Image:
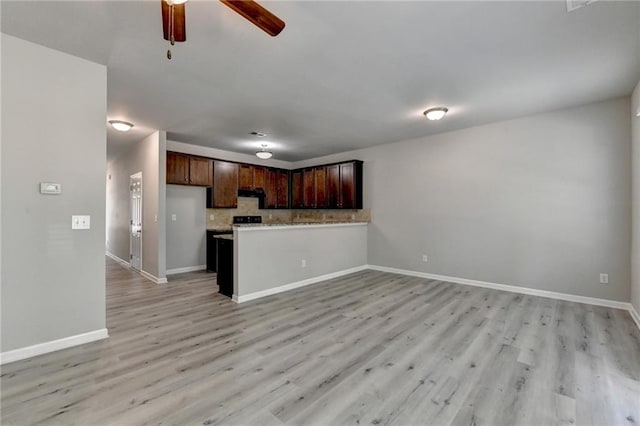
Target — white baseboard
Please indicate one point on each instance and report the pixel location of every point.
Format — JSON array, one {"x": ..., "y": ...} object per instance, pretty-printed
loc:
[
  {"x": 297, "y": 284},
  {"x": 186, "y": 269},
  {"x": 153, "y": 278},
  {"x": 514, "y": 289},
  {"x": 634, "y": 314},
  {"x": 145, "y": 274},
  {"x": 52, "y": 346},
  {"x": 117, "y": 259}
]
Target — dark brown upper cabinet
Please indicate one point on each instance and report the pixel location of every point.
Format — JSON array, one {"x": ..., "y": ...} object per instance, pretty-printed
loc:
[
  {"x": 252, "y": 177},
  {"x": 282, "y": 177},
  {"x": 309, "y": 189},
  {"x": 271, "y": 189},
  {"x": 200, "y": 171},
  {"x": 320, "y": 186},
  {"x": 342, "y": 185},
  {"x": 276, "y": 189},
  {"x": 330, "y": 186},
  {"x": 177, "y": 168},
  {"x": 297, "y": 190},
  {"x": 185, "y": 169},
  {"x": 333, "y": 186},
  {"x": 259, "y": 177},
  {"x": 348, "y": 187},
  {"x": 224, "y": 193},
  {"x": 245, "y": 180}
]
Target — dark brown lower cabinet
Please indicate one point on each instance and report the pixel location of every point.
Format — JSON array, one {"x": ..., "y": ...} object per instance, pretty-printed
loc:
[{"x": 225, "y": 267}]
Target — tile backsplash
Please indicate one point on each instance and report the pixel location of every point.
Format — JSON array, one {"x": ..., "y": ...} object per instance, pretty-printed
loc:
[{"x": 247, "y": 206}]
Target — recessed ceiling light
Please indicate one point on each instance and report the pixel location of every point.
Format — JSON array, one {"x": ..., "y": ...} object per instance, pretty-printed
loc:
[
  {"x": 258, "y": 134},
  {"x": 264, "y": 153},
  {"x": 436, "y": 113},
  {"x": 121, "y": 126}
]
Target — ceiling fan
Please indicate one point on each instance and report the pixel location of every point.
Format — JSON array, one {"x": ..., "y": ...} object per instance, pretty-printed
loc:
[{"x": 174, "y": 23}]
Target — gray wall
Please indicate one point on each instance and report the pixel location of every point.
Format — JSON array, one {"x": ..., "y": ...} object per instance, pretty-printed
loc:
[
  {"x": 541, "y": 201},
  {"x": 275, "y": 254},
  {"x": 53, "y": 130},
  {"x": 186, "y": 236},
  {"x": 146, "y": 156},
  {"x": 635, "y": 251}
]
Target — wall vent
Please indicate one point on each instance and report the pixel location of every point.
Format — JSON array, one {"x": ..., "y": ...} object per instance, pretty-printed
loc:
[{"x": 577, "y": 4}]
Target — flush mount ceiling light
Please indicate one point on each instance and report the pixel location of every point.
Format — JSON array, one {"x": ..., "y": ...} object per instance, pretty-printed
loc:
[
  {"x": 121, "y": 126},
  {"x": 264, "y": 153},
  {"x": 436, "y": 113},
  {"x": 258, "y": 134}
]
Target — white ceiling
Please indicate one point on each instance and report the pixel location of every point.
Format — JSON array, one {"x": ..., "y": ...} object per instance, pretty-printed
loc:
[{"x": 342, "y": 75}]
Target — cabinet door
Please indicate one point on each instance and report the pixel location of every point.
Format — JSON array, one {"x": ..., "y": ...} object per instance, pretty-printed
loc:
[
  {"x": 177, "y": 168},
  {"x": 297, "y": 190},
  {"x": 225, "y": 184},
  {"x": 333, "y": 186},
  {"x": 200, "y": 171},
  {"x": 259, "y": 177},
  {"x": 246, "y": 176},
  {"x": 283, "y": 189},
  {"x": 309, "y": 195},
  {"x": 320, "y": 182},
  {"x": 347, "y": 186},
  {"x": 271, "y": 190}
]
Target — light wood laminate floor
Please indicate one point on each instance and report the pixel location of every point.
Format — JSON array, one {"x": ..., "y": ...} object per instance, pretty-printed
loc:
[{"x": 370, "y": 348}]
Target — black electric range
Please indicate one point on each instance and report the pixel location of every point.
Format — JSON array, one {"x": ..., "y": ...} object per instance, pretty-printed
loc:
[{"x": 246, "y": 220}]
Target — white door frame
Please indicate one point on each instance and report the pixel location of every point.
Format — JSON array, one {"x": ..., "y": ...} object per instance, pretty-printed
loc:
[{"x": 137, "y": 175}]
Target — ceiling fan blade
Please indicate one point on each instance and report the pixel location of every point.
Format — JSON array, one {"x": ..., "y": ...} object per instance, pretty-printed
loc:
[
  {"x": 179, "y": 22},
  {"x": 258, "y": 15}
]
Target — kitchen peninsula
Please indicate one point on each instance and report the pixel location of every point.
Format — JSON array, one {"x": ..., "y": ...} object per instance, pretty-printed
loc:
[{"x": 269, "y": 259}]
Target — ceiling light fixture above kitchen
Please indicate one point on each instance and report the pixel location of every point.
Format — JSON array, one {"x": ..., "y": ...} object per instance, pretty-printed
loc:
[
  {"x": 121, "y": 126},
  {"x": 436, "y": 113},
  {"x": 264, "y": 153}
]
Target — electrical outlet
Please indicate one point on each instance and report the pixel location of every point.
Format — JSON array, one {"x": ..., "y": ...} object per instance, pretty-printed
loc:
[
  {"x": 303, "y": 263},
  {"x": 212, "y": 217},
  {"x": 173, "y": 217},
  {"x": 425, "y": 258},
  {"x": 270, "y": 216},
  {"x": 604, "y": 278},
  {"x": 353, "y": 217}
]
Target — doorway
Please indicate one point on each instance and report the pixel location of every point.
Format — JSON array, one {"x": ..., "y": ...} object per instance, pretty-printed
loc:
[{"x": 135, "y": 231}]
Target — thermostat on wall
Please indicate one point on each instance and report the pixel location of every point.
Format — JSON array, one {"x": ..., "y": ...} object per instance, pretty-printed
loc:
[{"x": 50, "y": 188}]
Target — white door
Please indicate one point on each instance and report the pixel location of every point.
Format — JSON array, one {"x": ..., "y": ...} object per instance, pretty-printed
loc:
[{"x": 135, "y": 246}]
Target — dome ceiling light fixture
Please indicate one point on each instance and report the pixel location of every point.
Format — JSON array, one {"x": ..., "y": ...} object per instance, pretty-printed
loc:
[
  {"x": 264, "y": 153},
  {"x": 437, "y": 113},
  {"x": 121, "y": 126}
]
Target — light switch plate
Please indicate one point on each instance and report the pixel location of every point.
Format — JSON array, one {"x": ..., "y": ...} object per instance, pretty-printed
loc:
[
  {"x": 80, "y": 222},
  {"x": 50, "y": 188}
]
